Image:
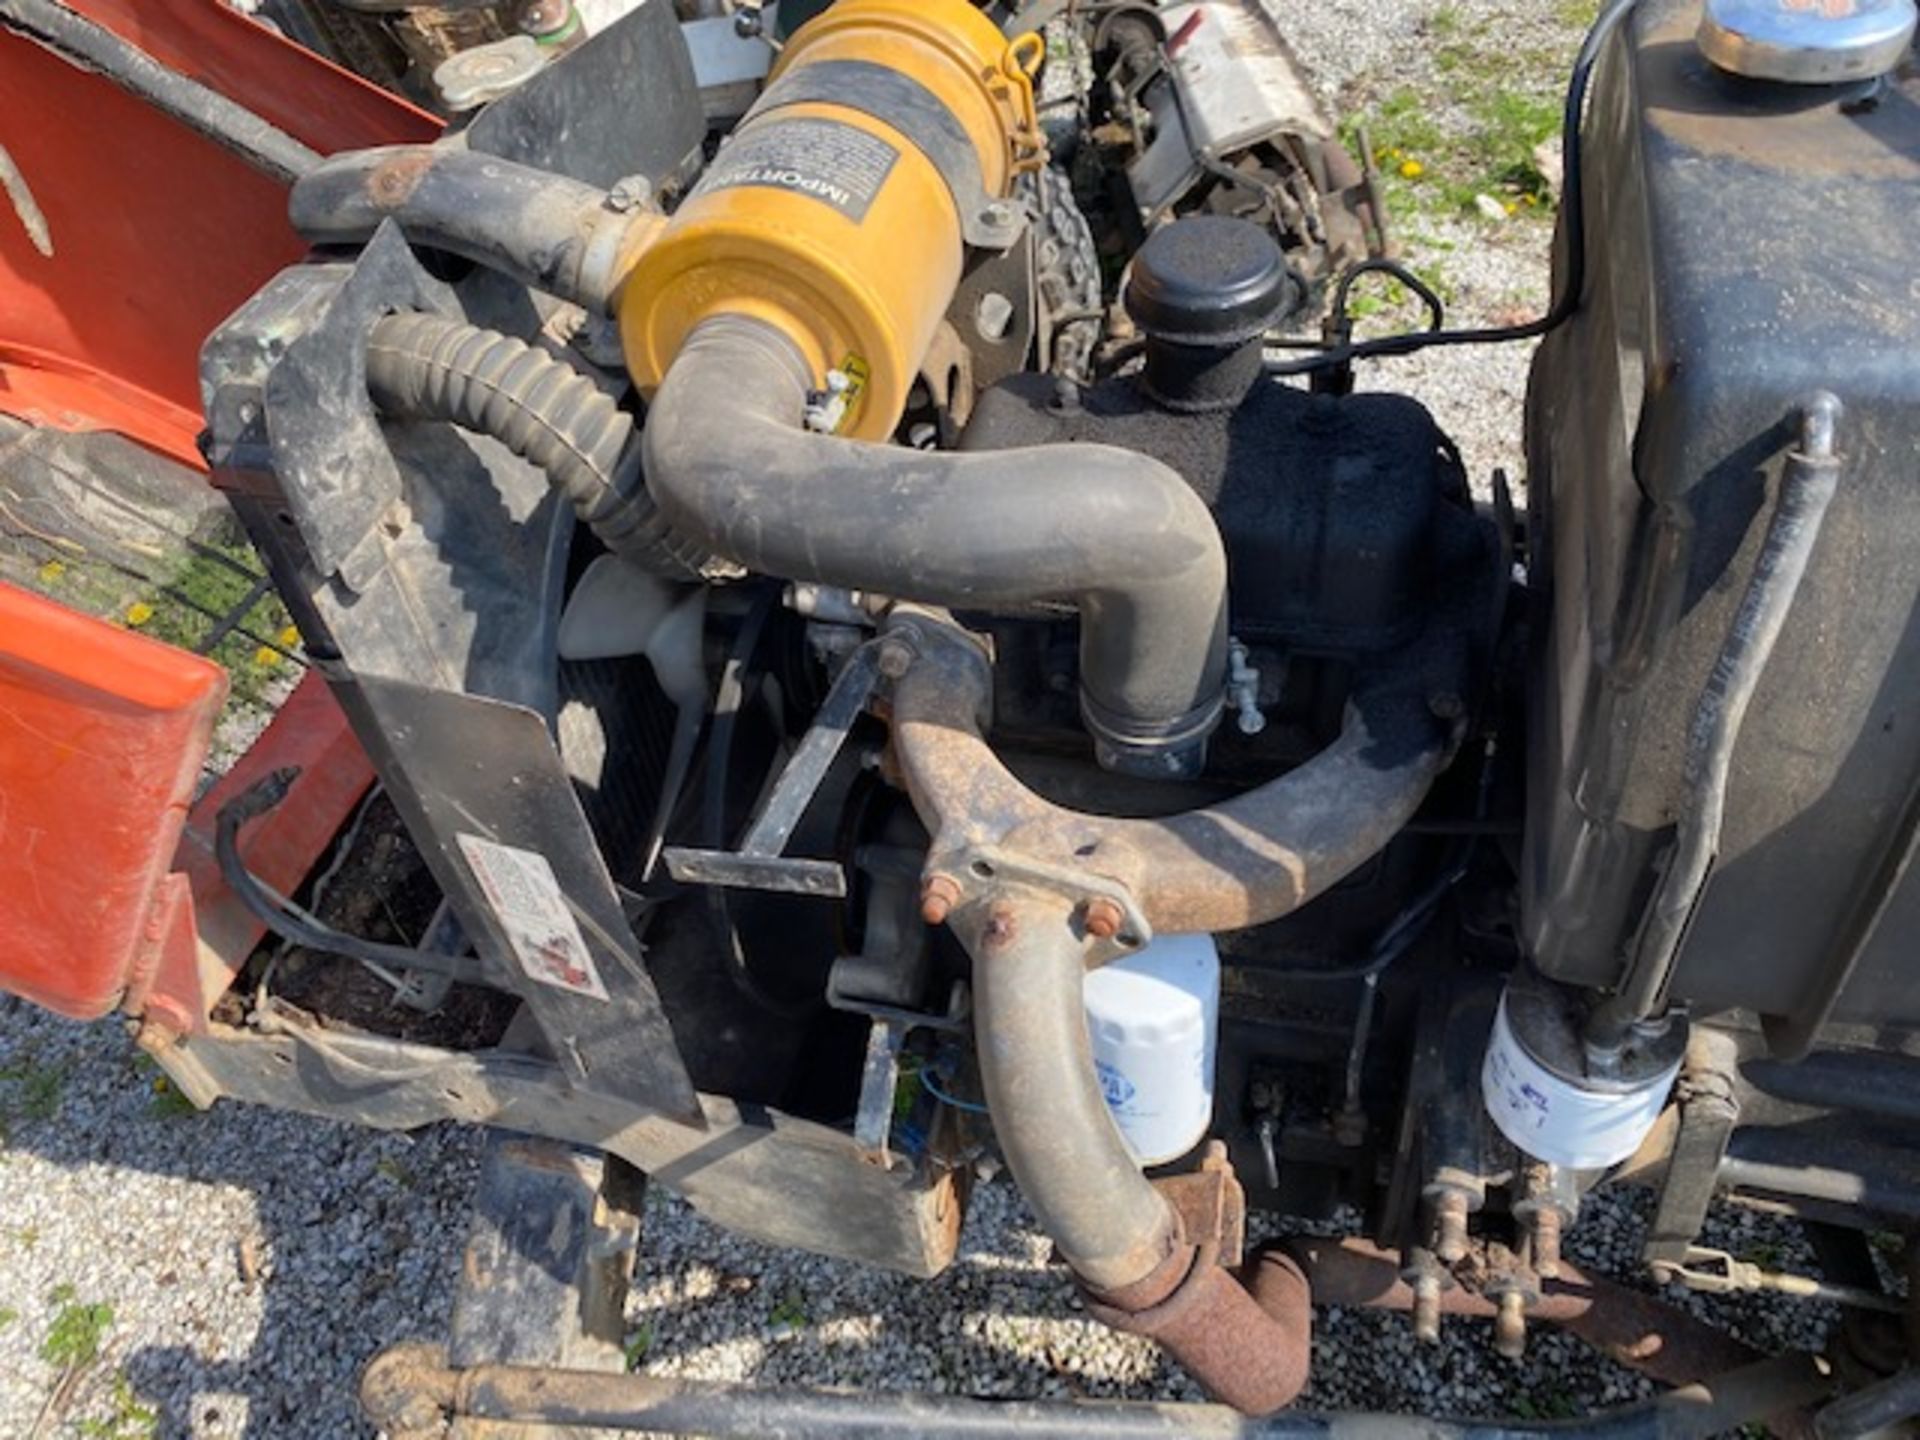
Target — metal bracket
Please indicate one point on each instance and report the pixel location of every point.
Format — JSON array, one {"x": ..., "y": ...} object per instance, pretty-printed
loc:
[
  {"x": 980, "y": 869},
  {"x": 759, "y": 864},
  {"x": 1211, "y": 1205},
  {"x": 879, "y": 1077}
]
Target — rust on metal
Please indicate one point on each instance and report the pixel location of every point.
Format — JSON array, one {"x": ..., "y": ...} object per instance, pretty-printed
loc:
[
  {"x": 1250, "y": 1347},
  {"x": 1002, "y": 927},
  {"x": 1639, "y": 1331},
  {"x": 1246, "y": 860},
  {"x": 939, "y": 893},
  {"x": 392, "y": 183}
]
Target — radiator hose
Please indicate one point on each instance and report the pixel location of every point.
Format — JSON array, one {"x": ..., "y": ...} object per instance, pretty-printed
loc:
[
  {"x": 425, "y": 367},
  {"x": 1115, "y": 534}
]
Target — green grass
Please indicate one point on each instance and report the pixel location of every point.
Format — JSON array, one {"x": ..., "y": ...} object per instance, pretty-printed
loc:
[
  {"x": 77, "y": 1332},
  {"x": 790, "y": 1313},
  {"x": 164, "y": 1100},
  {"x": 207, "y": 581},
  {"x": 638, "y": 1343},
  {"x": 1510, "y": 101},
  {"x": 126, "y": 1417},
  {"x": 30, "y": 1091}
]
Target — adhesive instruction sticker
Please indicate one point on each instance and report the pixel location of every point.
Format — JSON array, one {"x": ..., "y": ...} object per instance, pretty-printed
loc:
[
  {"x": 533, "y": 910},
  {"x": 828, "y": 160}
]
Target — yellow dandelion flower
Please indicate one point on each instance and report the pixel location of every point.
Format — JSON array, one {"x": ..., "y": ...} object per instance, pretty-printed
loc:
[
  {"x": 1412, "y": 169},
  {"x": 289, "y": 636},
  {"x": 52, "y": 571},
  {"x": 266, "y": 657},
  {"x": 139, "y": 613}
]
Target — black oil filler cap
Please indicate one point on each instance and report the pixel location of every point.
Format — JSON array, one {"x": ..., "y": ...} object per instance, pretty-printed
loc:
[{"x": 1211, "y": 280}]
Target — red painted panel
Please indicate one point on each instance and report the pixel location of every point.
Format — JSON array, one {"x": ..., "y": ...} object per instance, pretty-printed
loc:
[
  {"x": 151, "y": 234},
  {"x": 310, "y": 733},
  {"x": 102, "y": 735},
  {"x": 312, "y": 99}
]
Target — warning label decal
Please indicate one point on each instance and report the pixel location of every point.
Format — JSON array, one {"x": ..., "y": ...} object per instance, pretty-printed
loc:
[
  {"x": 833, "y": 162},
  {"x": 532, "y": 909}
]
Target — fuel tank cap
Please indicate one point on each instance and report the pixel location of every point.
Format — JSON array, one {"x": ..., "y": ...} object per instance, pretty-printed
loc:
[{"x": 1807, "y": 42}]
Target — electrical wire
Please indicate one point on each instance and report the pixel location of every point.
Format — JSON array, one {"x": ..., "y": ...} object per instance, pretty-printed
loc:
[
  {"x": 260, "y": 797},
  {"x": 926, "y": 1076},
  {"x": 1573, "y": 214}
]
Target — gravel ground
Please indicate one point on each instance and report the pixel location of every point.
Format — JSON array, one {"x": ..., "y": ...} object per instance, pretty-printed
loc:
[{"x": 253, "y": 1261}]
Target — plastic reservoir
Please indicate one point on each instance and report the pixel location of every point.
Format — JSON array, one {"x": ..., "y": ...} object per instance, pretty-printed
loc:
[{"x": 1154, "y": 1019}]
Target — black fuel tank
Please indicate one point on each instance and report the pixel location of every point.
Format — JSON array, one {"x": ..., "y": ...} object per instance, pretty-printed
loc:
[{"x": 1751, "y": 243}]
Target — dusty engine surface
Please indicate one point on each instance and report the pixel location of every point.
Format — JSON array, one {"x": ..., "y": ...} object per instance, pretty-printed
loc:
[{"x": 886, "y": 663}]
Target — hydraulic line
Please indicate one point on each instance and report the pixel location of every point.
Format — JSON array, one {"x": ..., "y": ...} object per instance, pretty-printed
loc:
[{"x": 1807, "y": 487}]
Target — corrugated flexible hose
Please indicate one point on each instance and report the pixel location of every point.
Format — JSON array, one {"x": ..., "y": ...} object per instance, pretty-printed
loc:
[{"x": 426, "y": 367}]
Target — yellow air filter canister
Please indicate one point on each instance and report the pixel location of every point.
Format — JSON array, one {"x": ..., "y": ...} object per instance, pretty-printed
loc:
[{"x": 839, "y": 209}]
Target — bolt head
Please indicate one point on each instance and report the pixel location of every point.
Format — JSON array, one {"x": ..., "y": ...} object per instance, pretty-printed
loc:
[
  {"x": 938, "y": 895},
  {"x": 896, "y": 658},
  {"x": 1103, "y": 918}
]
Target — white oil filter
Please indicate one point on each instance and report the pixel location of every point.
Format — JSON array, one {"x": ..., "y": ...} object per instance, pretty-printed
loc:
[{"x": 1153, "y": 1018}]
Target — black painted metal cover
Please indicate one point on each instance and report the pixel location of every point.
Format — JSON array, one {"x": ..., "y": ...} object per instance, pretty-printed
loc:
[{"x": 1752, "y": 243}]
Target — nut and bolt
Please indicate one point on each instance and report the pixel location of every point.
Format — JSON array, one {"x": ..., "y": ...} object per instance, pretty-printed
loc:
[
  {"x": 1104, "y": 918},
  {"x": 153, "y": 1034},
  {"x": 1450, "y": 1239},
  {"x": 896, "y": 658},
  {"x": 1426, "y": 1308},
  {"x": 938, "y": 895},
  {"x": 1510, "y": 1325},
  {"x": 634, "y": 192}
]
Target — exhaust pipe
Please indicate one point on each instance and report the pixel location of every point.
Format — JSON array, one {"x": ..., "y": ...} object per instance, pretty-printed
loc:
[
  {"x": 1121, "y": 1236},
  {"x": 1039, "y": 894}
]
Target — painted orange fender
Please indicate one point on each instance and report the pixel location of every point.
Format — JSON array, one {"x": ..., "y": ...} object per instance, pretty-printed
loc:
[{"x": 125, "y": 237}]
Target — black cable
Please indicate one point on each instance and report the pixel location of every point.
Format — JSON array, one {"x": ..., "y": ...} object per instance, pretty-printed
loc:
[
  {"x": 1573, "y": 212},
  {"x": 1405, "y": 928},
  {"x": 260, "y": 797},
  {"x": 1436, "y": 309}
]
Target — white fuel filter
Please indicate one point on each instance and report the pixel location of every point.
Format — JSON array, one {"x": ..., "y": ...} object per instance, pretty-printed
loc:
[{"x": 1549, "y": 1099}]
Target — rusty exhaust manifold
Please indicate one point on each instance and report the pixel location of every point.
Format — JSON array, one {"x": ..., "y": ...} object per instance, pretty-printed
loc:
[{"x": 1038, "y": 894}]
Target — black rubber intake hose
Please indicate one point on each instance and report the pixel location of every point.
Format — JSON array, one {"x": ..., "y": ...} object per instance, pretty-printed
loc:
[
  {"x": 1117, "y": 535},
  {"x": 424, "y": 367},
  {"x": 546, "y": 231}
]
